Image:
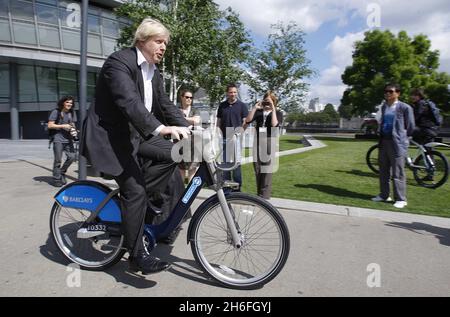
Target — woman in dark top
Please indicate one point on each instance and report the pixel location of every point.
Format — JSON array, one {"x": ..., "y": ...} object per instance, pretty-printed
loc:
[{"x": 268, "y": 120}]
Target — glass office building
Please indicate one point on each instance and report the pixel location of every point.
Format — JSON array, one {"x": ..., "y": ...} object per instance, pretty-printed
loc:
[{"x": 40, "y": 58}]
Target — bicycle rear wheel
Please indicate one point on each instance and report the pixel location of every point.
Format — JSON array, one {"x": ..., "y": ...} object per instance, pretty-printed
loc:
[
  {"x": 431, "y": 177},
  {"x": 95, "y": 253},
  {"x": 265, "y": 239},
  {"x": 372, "y": 158}
]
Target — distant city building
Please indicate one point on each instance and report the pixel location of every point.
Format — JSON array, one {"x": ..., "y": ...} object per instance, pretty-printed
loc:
[
  {"x": 40, "y": 58},
  {"x": 314, "y": 105}
]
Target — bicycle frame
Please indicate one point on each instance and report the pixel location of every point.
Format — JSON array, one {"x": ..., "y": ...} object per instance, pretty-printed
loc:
[
  {"x": 423, "y": 151},
  {"x": 105, "y": 204}
]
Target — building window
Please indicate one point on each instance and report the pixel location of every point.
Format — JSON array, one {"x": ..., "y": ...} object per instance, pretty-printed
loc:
[
  {"x": 27, "y": 84},
  {"x": 5, "y": 34},
  {"x": 91, "y": 80},
  {"x": 110, "y": 28},
  {"x": 71, "y": 40},
  {"x": 49, "y": 36},
  {"x": 93, "y": 24},
  {"x": 47, "y": 14},
  {"x": 108, "y": 46},
  {"x": 47, "y": 84},
  {"x": 93, "y": 44},
  {"x": 24, "y": 33},
  {"x": 67, "y": 82},
  {"x": 4, "y": 83},
  {"x": 22, "y": 10},
  {"x": 52, "y": 2},
  {"x": 4, "y": 8}
]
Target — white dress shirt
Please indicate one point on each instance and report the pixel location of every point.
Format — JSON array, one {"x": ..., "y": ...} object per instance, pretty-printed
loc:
[{"x": 148, "y": 71}]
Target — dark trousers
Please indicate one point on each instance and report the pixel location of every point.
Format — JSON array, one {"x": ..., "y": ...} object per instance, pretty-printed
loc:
[
  {"x": 263, "y": 180},
  {"x": 424, "y": 135},
  {"x": 134, "y": 205},
  {"x": 58, "y": 149},
  {"x": 163, "y": 183}
]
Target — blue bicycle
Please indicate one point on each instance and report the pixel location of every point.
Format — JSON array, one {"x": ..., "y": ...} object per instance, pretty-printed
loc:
[{"x": 240, "y": 240}]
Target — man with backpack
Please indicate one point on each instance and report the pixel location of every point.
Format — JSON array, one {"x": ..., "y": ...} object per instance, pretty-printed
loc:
[
  {"x": 61, "y": 127},
  {"x": 426, "y": 116}
]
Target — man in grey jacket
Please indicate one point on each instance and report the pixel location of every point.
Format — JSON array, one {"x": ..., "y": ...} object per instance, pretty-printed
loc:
[{"x": 396, "y": 124}]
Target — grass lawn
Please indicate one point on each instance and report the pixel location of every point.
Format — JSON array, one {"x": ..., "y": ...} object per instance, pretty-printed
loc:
[{"x": 338, "y": 174}]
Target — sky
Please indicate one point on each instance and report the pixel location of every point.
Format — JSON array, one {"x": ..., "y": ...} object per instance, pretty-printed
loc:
[{"x": 333, "y": 26}]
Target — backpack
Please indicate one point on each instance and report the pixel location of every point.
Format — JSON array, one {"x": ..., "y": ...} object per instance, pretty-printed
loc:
[
  {"x": 51, "y": 132},
  {"x": 435, "y": 112}
]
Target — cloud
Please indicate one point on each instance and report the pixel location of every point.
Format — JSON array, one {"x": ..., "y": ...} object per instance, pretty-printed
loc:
[
  {"x": 414, "y": 16},
  {"x": 258, "y": 15}
]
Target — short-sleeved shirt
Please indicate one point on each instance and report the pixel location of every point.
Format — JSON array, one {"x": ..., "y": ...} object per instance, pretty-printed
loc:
[
  {"x": 231, "y": 115},
  {"x": 61, "y": 135}
]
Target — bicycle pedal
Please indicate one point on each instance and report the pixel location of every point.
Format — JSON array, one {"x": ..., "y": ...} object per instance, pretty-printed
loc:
[{"x": 231, "y": 184}]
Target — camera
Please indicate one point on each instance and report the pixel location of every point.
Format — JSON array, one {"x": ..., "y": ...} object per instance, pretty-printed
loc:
[
  {"x": 74, "y": 133},
  {"x": 266, "y": 103}
]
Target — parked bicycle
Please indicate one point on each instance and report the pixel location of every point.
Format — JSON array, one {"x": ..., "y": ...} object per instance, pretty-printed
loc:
[
  {"x": 430, "y": 167},
  {"x": 239, "y": 240}
]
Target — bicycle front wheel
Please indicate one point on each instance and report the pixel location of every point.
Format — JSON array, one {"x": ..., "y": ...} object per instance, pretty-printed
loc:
[
  {"x": 95, "y": 253},
  {"x": 372, "y": 158},
  {"x": 265, "y": 239},
  {"x": 430, "y": 176}
]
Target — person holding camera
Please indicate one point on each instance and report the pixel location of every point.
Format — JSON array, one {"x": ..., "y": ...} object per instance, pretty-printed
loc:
[
  {"x": 62, "y": 120},
  {"x": 268, "y": 120}
]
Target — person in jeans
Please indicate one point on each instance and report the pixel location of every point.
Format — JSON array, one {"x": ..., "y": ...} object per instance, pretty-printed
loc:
[
  {"x": 396, "y": 124},
  {"x": 62, "y": 120}
]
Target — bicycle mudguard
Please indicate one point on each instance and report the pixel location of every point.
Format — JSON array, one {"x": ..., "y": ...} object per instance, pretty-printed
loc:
[{"x": 89, "y": 195}]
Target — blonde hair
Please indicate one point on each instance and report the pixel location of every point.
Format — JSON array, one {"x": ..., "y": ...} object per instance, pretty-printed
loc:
[
  {"x": 270, "y": 94},
  {"x": 149, "y": 27}
]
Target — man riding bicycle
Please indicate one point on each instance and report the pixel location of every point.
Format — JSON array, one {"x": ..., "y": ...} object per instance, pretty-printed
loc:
[
  {"x": 426, "y": 117},
  {"x": 132, "y": 113}
]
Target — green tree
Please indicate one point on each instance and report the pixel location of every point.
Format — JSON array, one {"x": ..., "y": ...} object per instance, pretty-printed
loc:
[
  {"x": 205, "y": 43},
  {"x": 331, "y": 112},
  {"x": 383, "y": 57},
  {"x": 282, "y": 66}
]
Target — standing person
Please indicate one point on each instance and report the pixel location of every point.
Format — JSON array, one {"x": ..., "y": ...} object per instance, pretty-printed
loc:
[
  {"x": 396, "y": 125},
  {"x": 61, "y": 121},
  {"x": 427, "y": 123},
  {"x": 188, "y": 169},
  {"x": 231, "y": 115},
  {"x": 131, "y": 106},
  {"x": 268, "y": 120}
]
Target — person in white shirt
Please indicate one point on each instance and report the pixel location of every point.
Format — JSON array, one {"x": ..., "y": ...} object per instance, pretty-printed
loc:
[{"x": 132, "y": 113}]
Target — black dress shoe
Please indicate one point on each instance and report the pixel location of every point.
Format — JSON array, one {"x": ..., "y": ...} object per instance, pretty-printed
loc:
[{"x": 147, "y": 264}]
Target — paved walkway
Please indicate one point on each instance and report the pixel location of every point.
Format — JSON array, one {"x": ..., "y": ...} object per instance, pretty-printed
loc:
[{"x": 334, "y": 249}]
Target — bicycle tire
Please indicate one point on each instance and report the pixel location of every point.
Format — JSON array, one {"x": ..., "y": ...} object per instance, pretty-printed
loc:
[
  {"x": 433, "y": 179},
  {"x": 74, "y": 249},
  {"x": 372, "y": 158},
  {"x": 212, "y": 247}
]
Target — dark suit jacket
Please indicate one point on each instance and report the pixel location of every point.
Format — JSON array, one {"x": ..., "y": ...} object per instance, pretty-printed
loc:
[{"x": 117, "y": 119}]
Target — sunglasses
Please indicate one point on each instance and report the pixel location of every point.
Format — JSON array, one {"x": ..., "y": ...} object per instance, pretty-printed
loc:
[
  {"x": 188, "y": 97},
  {"x": 390, "y": 91}
]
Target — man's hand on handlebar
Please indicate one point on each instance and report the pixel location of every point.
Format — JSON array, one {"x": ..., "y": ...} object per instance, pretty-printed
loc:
[{"x": 176, "y": 133}]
